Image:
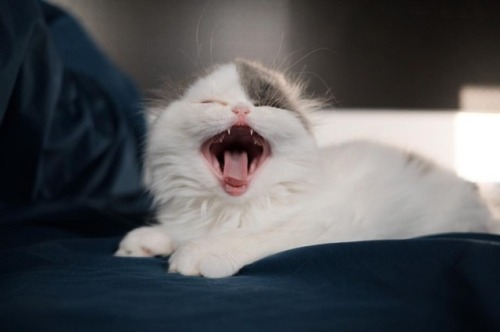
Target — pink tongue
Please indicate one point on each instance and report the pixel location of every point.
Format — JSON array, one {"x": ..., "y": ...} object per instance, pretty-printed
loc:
[{"x": 235, "y": 168}]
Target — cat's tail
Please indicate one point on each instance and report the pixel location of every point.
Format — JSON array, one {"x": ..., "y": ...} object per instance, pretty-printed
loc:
[{"x": 491, "y": 195}]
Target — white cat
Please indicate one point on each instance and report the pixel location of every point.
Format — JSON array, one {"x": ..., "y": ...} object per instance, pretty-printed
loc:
[{"x": 237, "y": 176}]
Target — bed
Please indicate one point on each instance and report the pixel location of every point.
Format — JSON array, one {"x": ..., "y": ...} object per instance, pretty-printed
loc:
[{"x": 70, "y": 140}]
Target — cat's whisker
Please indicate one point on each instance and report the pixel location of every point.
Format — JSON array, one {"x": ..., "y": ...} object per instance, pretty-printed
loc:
[
  {"x": 286, "y": 58},
  {"x": 280, "y": 45},
  {"x": 193, "y": 62},
  {"x": 328, "y": 90},
  {"x": 212, "y": 44},
  {"x": 198, "y": 24},
  {"x": 308, "y": 54}
]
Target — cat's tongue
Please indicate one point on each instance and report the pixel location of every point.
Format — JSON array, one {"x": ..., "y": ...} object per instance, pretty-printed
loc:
[{"x": 235, "y": 168}]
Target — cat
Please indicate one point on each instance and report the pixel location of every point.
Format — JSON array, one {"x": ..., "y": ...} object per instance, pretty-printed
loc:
[{"x": 236, "y": 176}]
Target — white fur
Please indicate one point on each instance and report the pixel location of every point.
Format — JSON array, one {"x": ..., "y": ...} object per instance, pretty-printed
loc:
[{"x": 301, "y": 196}]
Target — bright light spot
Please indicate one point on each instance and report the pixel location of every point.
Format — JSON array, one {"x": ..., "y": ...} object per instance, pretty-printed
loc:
[{"x": 477, "y": 146}]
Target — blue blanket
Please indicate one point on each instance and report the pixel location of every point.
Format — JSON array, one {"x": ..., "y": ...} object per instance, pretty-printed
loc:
[
  {"x": 58, "y": 278},
  {"x": 70, "y": 188}
]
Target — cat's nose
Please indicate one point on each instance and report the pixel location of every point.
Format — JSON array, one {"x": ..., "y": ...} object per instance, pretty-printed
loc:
[{"x": 240, "y": 109}]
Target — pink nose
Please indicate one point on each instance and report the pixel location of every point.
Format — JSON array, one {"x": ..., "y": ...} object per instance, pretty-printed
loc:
[{"x": 241, "y": 112}]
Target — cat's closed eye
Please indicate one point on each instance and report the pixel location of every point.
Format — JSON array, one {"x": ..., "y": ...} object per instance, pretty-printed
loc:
[{"x": 213, "y": 101}]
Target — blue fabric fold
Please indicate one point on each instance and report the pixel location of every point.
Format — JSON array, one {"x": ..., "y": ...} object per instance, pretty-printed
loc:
[{"x": 70, "y": 125}]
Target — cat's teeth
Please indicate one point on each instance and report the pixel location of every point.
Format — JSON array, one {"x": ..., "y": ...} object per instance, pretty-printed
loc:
[
  {"x": 257, "y": 141},
  {"x": 251, "y": 131},
  {"x": 229, "y": 131}
]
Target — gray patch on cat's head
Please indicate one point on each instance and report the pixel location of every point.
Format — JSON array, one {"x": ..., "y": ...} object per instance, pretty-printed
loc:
[
  {"x": 266, "y": 87},
  {"x": 262, "y": 85}
]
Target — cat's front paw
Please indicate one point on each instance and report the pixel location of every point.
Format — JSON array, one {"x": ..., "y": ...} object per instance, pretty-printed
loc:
[
  {"x": 203, "y": 258},
  {"x": 145, "y": 242}
]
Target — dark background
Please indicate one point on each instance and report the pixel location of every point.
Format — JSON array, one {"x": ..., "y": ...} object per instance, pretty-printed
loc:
[{"x": 406, "y": 54}]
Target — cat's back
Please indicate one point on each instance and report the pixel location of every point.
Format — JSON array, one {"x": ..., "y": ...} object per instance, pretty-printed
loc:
[
  {"x": 376, "y": 161},
  {"x": 394, "y": 188},
  {"x": 373, "y": 160}
]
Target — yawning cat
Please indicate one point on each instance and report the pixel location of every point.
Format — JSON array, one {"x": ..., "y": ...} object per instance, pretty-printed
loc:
[{"x": 237, "y": 176}]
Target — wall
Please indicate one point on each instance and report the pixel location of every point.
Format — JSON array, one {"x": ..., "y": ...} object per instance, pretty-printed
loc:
[
  {"x": 380, "y": 60},
  {"x": 411, "y": 54}
]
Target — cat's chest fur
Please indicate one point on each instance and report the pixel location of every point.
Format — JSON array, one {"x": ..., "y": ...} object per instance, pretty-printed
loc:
[{"x": 236, "y": 175}]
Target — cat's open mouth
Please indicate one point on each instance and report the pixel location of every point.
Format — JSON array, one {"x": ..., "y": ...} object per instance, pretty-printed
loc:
[{"x": 234, "y": 156}]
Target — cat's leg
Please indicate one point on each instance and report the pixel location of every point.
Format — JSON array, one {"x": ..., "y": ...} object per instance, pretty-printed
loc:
[
  {"x": 224, "y": 255},
  {"x": 145, "y": 241}
]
